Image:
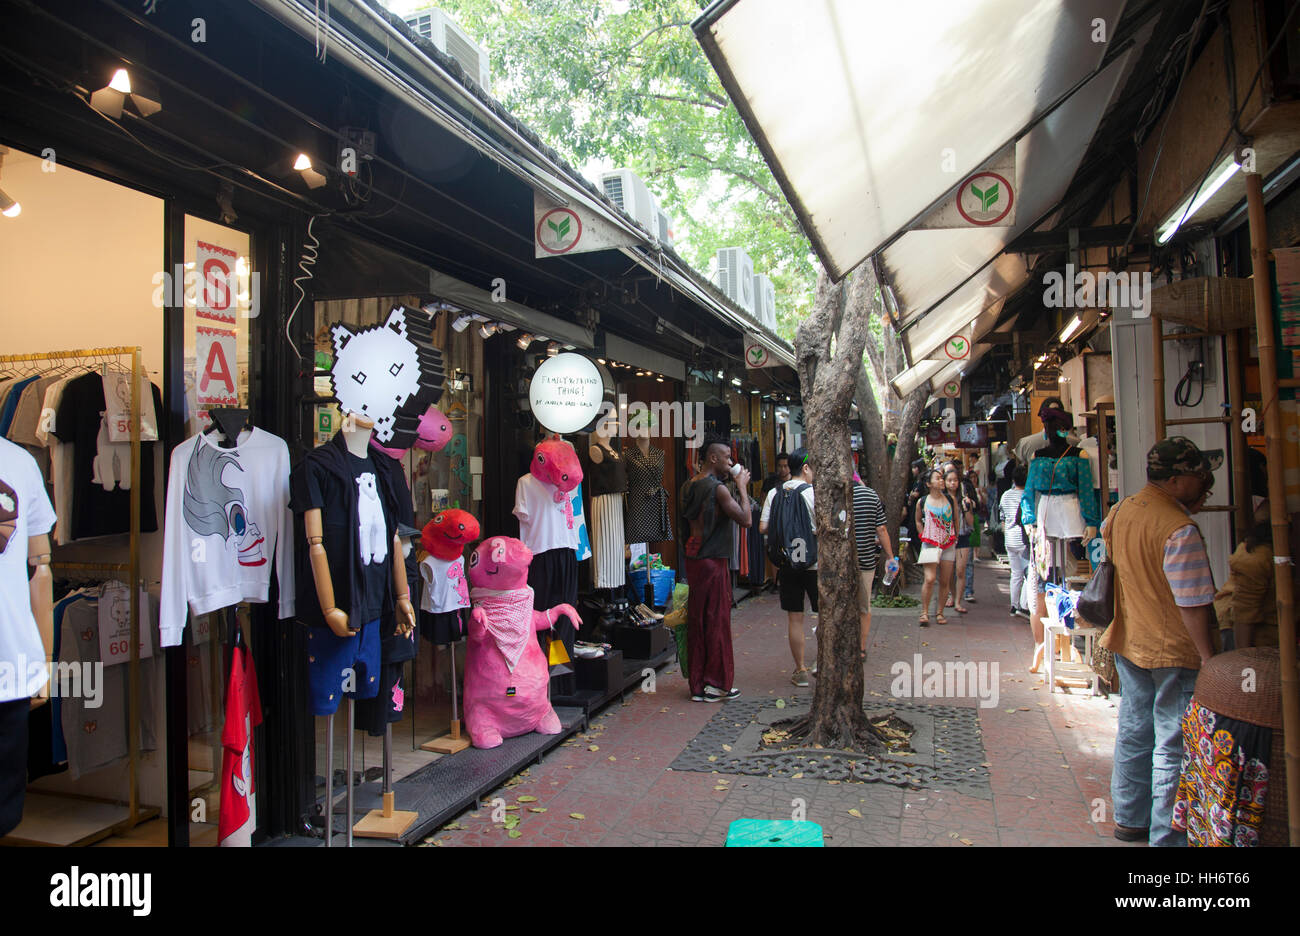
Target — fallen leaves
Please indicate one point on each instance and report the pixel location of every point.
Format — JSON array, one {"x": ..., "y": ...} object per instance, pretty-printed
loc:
[
  {"x": 855, "y": 813},
  {"x": 527, "y": 799},
  {"x": 577, "y": 815}
]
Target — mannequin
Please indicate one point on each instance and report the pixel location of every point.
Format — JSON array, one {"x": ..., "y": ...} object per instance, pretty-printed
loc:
[
  {"x": 608, "y": 488},
  {"x": 27, "y": 645},
  {"x": 444, "y": 596},
  {"x": 647, "y": 501},
  {"x": 547, "y": 528},
  {"x": 1058, "y": 506}
]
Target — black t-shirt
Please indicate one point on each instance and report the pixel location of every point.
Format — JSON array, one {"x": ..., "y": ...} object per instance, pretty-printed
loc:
[
  {"x": 97, "y": 510},
  {"x": 377, "y": 575}
]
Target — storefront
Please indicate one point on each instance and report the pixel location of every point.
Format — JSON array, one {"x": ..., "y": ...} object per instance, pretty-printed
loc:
[{"x": 435, "y": 220}]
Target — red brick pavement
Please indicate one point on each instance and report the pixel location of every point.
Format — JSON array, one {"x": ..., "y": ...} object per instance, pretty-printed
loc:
[{"x": 1049, "y": 755}]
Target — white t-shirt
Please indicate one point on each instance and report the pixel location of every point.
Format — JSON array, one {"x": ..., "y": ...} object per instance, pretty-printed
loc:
[
  {"x": 790, "y": 485},
  {"x": 227, "y": 517},
  {"x": 544, "y": 524},
  {"x": 445, "y": 586},
  {"x": 24, "y": 503}
]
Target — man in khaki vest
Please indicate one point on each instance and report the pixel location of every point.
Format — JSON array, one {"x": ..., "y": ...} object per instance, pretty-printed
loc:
[{"x": 1161, "y": 634}]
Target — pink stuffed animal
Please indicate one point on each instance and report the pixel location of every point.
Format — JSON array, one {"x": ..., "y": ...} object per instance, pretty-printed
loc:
[
  {"x": 432, "y": 434},
  {"x": 506, "y": 673},
  {"x": 556, "y": 463}
]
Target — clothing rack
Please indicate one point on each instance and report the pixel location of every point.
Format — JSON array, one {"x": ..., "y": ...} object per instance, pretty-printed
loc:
[{"x": 131, "y": 568}]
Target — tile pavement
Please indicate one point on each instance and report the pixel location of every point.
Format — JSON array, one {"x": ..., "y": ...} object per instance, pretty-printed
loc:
[{"x": 1048, "y": 754}]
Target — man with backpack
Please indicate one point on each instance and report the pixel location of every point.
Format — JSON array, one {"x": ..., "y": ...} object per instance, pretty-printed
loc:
[{"x": 787, "y": 519}]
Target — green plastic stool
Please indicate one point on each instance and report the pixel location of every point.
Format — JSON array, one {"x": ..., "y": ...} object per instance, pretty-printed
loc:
[{"x": 774, "y": 833}]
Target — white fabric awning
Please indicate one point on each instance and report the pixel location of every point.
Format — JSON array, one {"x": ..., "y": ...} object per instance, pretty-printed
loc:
[{"x": 869, "y": 112}]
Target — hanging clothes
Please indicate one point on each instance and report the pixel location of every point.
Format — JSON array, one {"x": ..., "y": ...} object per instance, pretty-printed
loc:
[
  {"x": 608, "y": 479},
  {"x": 647, "y": 501}
]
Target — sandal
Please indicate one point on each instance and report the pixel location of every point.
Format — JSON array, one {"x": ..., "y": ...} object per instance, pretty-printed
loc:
[
  {"x": 948, "y": 603},
  {"x": 961, "y": 610},
  {"x": 941, "y": 619},
  {"x": 862, "y": 656},
  {"x": 924, "y": 619}
]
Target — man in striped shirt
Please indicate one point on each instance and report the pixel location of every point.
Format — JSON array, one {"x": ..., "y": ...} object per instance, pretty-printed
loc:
[
  {"x": 1161, "y": 634},
  {"x": 869, "y": 531}
]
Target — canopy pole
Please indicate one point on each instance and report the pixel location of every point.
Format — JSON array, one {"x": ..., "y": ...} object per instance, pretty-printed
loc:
[{"x": 1276, "y": 496}]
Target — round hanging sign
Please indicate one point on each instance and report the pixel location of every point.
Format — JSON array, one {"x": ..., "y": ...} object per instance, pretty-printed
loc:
[
  {"x": 566, "y": 392},
  {"x": 952, "y": 389},
  {"x": 957, "y": 348},
  {"x": 985, "y": 198}
]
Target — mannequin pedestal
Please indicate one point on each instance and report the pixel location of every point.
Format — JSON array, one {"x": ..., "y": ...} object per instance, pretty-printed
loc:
[
  {"x": 388, "y": 822},
  {"x": 452, "y": 742}
]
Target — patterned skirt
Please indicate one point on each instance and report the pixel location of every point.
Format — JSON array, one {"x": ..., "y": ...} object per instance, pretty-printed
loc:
[
  {"x": 1224, "y": 780},
  {"x": 607, "y": 565}
]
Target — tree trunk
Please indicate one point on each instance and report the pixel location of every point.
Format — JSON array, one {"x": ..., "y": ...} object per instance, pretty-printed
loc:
[{"x": 837, "y": 719}]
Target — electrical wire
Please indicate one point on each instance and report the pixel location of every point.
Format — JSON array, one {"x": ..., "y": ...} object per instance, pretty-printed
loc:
[
  {"x": 310, "y": 251},
  {"x": 1195, "y": 376}
]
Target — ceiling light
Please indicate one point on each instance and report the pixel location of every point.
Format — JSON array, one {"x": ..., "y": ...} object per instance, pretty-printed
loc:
[
  {"x": 462, "y": 323},
  {"x": 313, "y": 178},
  {"x": 719, "y": 375},
  {"x": 660, "y": 379},
  {"x": 487, "y": 330},
  {"x": 552, "y": 349},
  {"x": 1188, "y": 207},
  {"x": 1075, "y": 324},
  {"x": 524, "y": 341},
  {"x": 736, "y": 381},
  {"x": 140, "y": 91},
  {"x": 302, "y": 162},
  {"x": 8, "y": 207},
  {"x": 600, "y": 360},
  {"x": 121, "y": 81}
]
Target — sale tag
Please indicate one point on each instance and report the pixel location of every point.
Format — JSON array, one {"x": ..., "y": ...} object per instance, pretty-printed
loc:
[
  {"x": 117, "y": 408},
  {"x": 115, "y": 625},
  {"x": 200, "y": 629}
]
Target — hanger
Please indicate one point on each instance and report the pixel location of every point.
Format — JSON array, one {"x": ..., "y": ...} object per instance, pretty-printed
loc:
[{"x": 229, "y": 421}]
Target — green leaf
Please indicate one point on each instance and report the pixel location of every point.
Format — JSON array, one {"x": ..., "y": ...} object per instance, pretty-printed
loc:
[
  {"x": 990, "y": 196},
  {"x": 564, "y": 228},
  {"x": 978, "y": 193},
  {"x": 552, "y": 225}
]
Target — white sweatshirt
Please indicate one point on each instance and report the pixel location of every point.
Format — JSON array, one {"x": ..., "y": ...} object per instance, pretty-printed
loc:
[{"x": 227, "y": 514}]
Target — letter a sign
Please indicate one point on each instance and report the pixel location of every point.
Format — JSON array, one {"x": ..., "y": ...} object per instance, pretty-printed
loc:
[{"x": 215, "y": 359}]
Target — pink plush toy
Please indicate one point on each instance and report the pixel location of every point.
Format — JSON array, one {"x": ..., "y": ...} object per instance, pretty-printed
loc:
[
  {"x": 433, "y": 434},
  {"x": 556, "y": 463},
  {"x": 505, "y": 671}
]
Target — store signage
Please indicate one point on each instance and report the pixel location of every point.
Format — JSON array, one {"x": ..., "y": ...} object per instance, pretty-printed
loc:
[
  {"x": 757, "y": 354},
  {"x": 957, "y": 348},
  {"x": 1047, "y": 380},
  {"x": 952, "y": 389},
  {"x": 936, "y": 435},
  {"x": 571, "y": 229},
  {"x": 972, "y": 435},
  {"x": 566, "y": 393},
  {"x": 215, "y": 383},
  {"x": 986, "y": 198},
  {"x": 214, "y": 294}
]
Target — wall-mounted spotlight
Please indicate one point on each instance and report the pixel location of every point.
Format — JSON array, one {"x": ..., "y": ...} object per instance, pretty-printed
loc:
[
  {"x": 524, "y": 340},
  {"x": 309, "y": 175},
  {"x": 462, "y": 323},
  {"x": 141, "y": 91}
]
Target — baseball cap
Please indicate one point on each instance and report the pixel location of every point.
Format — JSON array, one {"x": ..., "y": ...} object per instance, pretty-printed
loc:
[{"x": 1177, "y": 455}]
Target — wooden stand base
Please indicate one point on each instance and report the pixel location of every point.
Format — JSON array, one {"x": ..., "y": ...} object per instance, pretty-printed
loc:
[
  {"x": 386, "y": 823},
  {"x": 450, "y": 743}
]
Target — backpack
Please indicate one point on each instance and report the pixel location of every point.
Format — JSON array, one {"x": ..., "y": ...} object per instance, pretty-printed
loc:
[{"x": 791, "y": 543}]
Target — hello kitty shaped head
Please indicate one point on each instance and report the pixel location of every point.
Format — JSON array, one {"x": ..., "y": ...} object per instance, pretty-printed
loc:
[
  {"x": 389, "y": 374},
  {"x": 448, "y": 533},
  {"x": 556, "y": 462},
  {"x": 501, "y": 563}
]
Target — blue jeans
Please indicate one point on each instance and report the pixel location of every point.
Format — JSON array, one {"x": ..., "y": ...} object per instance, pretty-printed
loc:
[
  {"x": 970, "y": 575},
  {"x": 1149, "y": 748},
  {"x": 1019, "y": 566}
]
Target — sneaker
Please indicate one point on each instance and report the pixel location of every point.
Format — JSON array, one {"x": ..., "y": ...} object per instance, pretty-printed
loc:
[
  {"x": 970, "y": 599},
  {"x": 717, "y": 695},
  {"x": 800, "y": 678}
]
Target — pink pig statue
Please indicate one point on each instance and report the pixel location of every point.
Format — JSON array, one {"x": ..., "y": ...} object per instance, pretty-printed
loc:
[
  {"x": 506, "y": 673},
  {"x": 556, "y": 463},
  {"x": 432, "y": 435}
]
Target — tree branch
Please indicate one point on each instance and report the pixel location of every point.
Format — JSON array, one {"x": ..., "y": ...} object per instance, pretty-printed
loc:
[{"x": 743, "y": 176}]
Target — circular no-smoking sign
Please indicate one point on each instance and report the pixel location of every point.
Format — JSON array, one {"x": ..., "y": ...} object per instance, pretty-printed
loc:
[
  {"x": 952, "y": 389},
  {"x": 985, "y": 198},
  {"x": 559, "y": 230},
  {"x": 957, "y": 348}
]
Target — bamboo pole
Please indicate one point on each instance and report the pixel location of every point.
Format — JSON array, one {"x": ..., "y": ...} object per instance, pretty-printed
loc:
[
  {"x": 1158, "y": 359},
  {"x": 1276, "y": 496},
  {"x": 1237, "y": 436}
]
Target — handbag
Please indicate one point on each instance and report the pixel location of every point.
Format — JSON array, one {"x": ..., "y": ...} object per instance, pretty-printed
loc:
[
  {"x": 929, "y": 555},
  {"x": 1096, "y": 603}
]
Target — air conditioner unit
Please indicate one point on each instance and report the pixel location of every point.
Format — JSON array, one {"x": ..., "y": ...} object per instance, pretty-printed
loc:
[
  {"x": 736, "y": 277},
  {"x": 628, "y": 191},
  {"x": 664, "y": 228},
  {"x": 765, "y": 301},
  {"x": 440, "y": 29}
]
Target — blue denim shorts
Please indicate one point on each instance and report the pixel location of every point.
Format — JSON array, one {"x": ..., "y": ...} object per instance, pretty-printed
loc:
[{"x": 342, "y": 666}]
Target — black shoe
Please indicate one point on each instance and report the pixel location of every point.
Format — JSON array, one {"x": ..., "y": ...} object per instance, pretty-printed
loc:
[{"x": 1126, "y": 834}]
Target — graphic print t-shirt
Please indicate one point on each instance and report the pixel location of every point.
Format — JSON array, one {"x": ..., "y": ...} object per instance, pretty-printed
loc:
[
  {"x": 103, "y": 507},
  {"x": 377, "y": 571},
  {"x": 24, "y": 511}
]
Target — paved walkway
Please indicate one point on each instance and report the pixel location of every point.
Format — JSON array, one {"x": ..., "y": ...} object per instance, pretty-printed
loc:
[{"x": 1048, "y": 755}]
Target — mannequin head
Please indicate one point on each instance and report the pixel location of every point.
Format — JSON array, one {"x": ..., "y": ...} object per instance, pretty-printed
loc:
[
  {"x": 1056, "y": 420},
  {"x": 448, "y": 533},
  {"x": 434, "y": 431},
  {"x": 556, "y": 463},
  {"x": 501, "y": 563}
]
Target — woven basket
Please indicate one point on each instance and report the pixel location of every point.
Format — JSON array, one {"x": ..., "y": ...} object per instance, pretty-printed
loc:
[
  {"x": 1219, "y": 689},
  {"x": 1208, "y": 303}
]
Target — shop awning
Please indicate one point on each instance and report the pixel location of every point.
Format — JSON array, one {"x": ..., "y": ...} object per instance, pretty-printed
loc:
[
  {"x": 472, "y": 299},
  {"x": 871, "y": 113}
]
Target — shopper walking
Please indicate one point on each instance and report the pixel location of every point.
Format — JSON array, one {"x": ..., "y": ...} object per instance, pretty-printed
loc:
[
  {"x": 935, "y": 518},
  {"x": 871, "y": 535},
  {"x": 709, "y": 508},
  {"x": 1160, "y": 635},
  {"x": 792, "y": 546},
  {"x": 979, "y": 508},
  {"x": 965, "y": 523},
  {"x": 1013, "y": 535}
]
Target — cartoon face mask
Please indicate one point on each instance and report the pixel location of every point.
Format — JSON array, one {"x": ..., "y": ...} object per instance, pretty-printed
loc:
[
  {"x": 447, "y": 534},
  {"x": 388, "y": 374},
  {"x": 500, "y": 563}
]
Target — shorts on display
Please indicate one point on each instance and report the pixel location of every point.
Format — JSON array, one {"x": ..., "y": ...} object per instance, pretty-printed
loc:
[
  {"x": 375, "y": 715},
  {"x": 334, "y": 663},
  {"x": 442, "y": 627}
]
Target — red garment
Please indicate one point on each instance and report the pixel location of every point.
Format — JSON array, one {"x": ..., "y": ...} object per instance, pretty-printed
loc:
[
  {"x": 243, "y": 711},
  {"x": 708, "y": 627}
]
